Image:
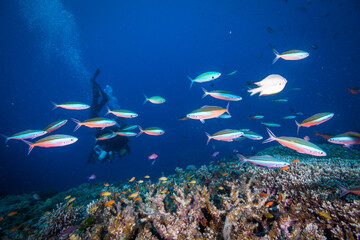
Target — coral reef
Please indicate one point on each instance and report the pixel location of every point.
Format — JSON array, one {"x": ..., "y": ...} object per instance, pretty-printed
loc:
[{"x": 228, "y": 200}]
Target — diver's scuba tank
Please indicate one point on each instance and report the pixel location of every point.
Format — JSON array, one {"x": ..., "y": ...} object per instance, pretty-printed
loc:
[{"x": 100, "y": 152}]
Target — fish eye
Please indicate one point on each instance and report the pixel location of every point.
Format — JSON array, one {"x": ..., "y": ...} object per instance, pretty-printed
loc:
[{"x": 212, "y": 77}]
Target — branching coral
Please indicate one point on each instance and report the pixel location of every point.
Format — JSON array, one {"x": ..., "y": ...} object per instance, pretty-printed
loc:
[{"x": 59, "y": 219}]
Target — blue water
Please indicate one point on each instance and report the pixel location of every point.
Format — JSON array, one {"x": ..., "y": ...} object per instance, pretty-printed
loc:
[{"x": 49, "y": 50}]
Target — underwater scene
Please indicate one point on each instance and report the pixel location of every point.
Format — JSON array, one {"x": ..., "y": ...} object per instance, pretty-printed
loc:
[{"x": 180, "y": 120}]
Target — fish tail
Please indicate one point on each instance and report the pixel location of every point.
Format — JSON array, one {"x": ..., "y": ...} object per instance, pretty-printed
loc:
[
  {"x": 141, "y": 131},
  {"x": 227, "y": 108},
  {"x": 55, "y": 106},
  {"x": 344, "y": 190},
  {"x": 6, "y": 138},
  {"x": 254, "y": 91},
  {"x": 31, "y": 145},
  {"x": 146, "y": 99},
  {"x": 271, "y": 136},
  {"x": 205, "y": 92},
  {"x": 108, "y": 110},
  {"x": 241, "y": 158},
  {"x": 78, "y": 124},
  {"x": 192, "y": 81},
  {"x": 209, "y": 138},
  {"x": 298, "y": 127},
  {"x": 316, "y": 133},
  {"x": 276, "y": 57}
]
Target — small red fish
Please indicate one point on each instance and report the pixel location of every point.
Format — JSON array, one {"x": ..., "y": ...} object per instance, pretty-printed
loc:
[
  {"x": 280, "y": 197},
  {"x": 269, "y": 204},
  {"x": 263, "y": 194},
  {"x": 137, "y": 198},
  {"x": 295, "y": 160},
  {"x": 12, "y": 213},
  {"x": 15, "y": 228},
  {"x": 284, "y": 168},
  {"x": 354, "y": 90}
]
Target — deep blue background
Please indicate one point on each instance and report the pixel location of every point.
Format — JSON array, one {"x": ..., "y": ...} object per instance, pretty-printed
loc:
[{"x": 149, "y": 47}]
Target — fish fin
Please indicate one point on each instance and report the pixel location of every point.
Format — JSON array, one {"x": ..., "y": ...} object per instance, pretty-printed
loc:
[
  {"x": 146, "y": 99},
  {"x": 271, "y": 138},
  {"x": 205, "y": 92},
  {"x": 192, "y": 81},
  {"x": 31, "y": 145},
  {"x": 209, "y": 138},
  {"x": 78, "y": 124},
  {"x": 347, "y": 146},
  {"x": 298, "y": 127},
  {"x": 6, "y": 138},
  {"x": 55, "y": 106},
  {"x": 108, "y": 110},
  {"x": 202, "y": 121},
  {"x": 141, "y": 131},
  {"x": 276, "y": 57},
  {"x": 344, "y": 190}
]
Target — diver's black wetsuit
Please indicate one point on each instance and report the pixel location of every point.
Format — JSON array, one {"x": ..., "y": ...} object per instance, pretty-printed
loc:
[
  {"x": 96, "y": 106},
  {"x": 117, "y": 144}
]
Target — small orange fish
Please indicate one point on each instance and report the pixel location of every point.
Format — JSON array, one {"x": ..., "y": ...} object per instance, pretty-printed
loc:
[
  {"x": 137, "y": 198},
  {"x": 132, "y": 179},
  {"x": 69, "y": 207},
  {"x": 12, "y": 213},
  {"x": 284, "y": 168},
  {"x": 269, "y": 204},
  {"x": 295, "y": 160},
  {"x": 15, "y": 228},
  {"x": 224, "y": 174},
  {"x": 134, "y": 195},
  {"x": 172, "y": 196},
  {"x": 47, "y": 213},
  {"x": 105, "y": 194},
  {"x": 71, "y": 200},
  {"x": 280, "y": 197},
  {"x": 221, "y": 188},
  {"x": 164, "y": 191},
  {"x": 109, "y": 203},
  {"x": 147, "y": 176},
  {"x": 325, "y": 215},
  {"x": 67, "y": 197},
  {"x": 263, "y": 194},
  {"x": 192, "y": 182},
  {"x": 124, "y": 192},
  {"x": 106, "y": 184}
]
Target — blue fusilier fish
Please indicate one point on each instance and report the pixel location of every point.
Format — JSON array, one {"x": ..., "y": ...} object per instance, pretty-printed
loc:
[
  {"x": 28, "y": 134},
  {"x": 223, "y": 95},
  {"x": 270, "y": 124},
  {"x": 291, "y": 55},
  {"x": 264, "y": 161},
  {"x": 205, "y": 77},
  {"x": 252, "y": 135},
  {"x": 55, "y": 125}
]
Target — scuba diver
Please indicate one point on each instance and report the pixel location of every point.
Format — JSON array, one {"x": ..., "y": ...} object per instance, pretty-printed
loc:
[{"x": 106, "y": 150}]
